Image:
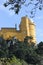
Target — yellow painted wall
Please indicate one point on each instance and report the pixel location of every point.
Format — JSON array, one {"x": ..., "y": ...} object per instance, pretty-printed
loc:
[{"x": 32, "y": 32}]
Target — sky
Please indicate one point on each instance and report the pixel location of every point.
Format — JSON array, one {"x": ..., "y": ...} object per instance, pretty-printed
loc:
[{"x": 9, "y": 19}]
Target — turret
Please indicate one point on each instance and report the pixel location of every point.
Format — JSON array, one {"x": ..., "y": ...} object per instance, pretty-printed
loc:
[
  {"x": 24, "y": 26},
  {"x": 32, "y": 31},
  {"x": 27, "y": 28}
]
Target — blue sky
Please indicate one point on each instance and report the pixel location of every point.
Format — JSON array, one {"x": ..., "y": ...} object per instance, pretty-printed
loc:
[{"x": 9, "y": 19}]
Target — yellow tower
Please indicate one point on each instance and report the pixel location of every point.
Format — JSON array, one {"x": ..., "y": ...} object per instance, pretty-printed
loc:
[
  {"x": 24, "y": 26},
  {"x": 32, "y": 31},
  {"x": 27, "y": 28}
]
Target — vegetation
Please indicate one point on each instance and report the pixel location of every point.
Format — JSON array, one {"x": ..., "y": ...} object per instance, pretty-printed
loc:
[
  {"x": 16, "y": 5},
  {"x": 14, "y": 52}
]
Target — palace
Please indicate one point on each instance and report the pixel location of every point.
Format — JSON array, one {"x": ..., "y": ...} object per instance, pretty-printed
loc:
[{"x": 27, "y": 28}]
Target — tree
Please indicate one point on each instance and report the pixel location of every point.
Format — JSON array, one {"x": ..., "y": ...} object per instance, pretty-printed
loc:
[
  {"x": 24, "y": 51},
  {"x": 16, "y": 5},
  {"x": 3, "y": 48},
  {"x": 39, "y": 50},
  {"x": 21, "y": 50},
  {"x": 28, "y": 39}
]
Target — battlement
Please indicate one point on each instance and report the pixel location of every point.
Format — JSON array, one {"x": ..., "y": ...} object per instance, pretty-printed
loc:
[{"x": 8, "y": 29}]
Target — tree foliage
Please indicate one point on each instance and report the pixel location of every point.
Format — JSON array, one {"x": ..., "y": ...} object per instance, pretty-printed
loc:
[
  {"x": 16, "y": 5},
  {"x": 39, "y": 50},
  {"x": 22, "y": 50},
  {"x": 3, "y": 48}
]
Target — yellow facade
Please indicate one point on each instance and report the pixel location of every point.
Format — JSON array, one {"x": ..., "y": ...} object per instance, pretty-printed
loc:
[{"x": 27, "y": 28}]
